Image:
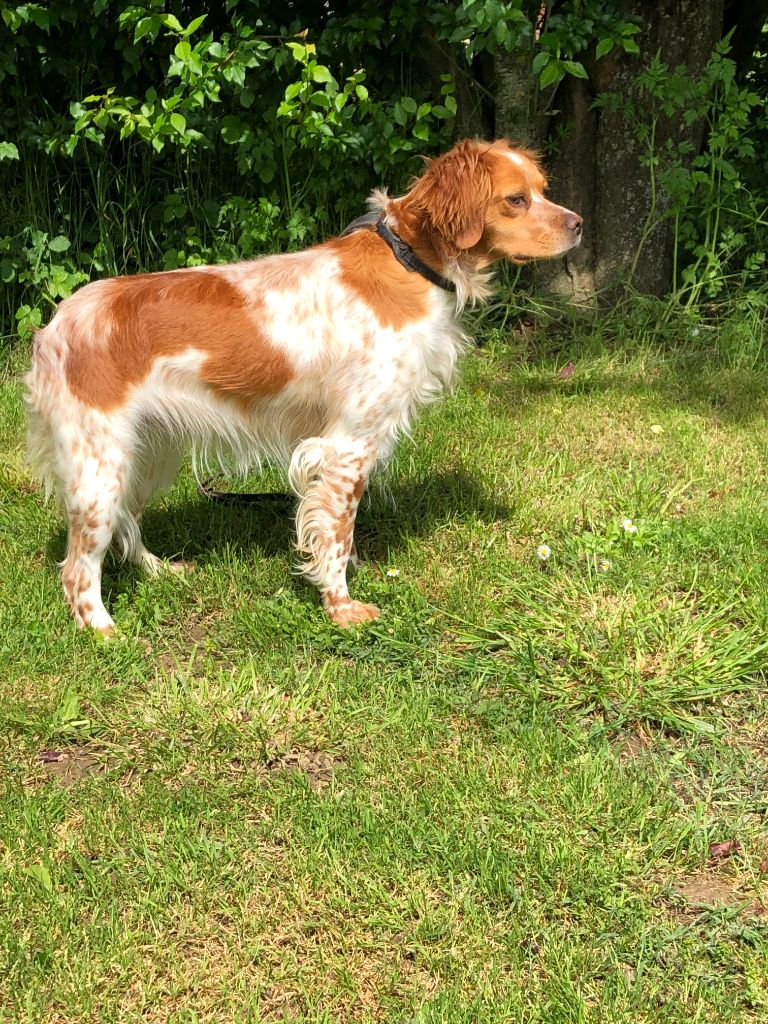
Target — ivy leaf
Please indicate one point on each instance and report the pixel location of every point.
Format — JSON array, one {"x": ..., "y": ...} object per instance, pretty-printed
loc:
[{"x": 8, "y": 151}]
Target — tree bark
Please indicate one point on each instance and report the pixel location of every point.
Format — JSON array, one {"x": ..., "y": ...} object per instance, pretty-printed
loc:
[
  {"x": 598, "y": 169},
  {"x": 512, "y": 89}
]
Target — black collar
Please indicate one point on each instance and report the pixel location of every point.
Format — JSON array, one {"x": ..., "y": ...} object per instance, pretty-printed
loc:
[{"x": 403, "y": 253}]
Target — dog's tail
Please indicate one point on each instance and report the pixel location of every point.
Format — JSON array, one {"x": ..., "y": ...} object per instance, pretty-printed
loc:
[{"x": 43, "y": 391}]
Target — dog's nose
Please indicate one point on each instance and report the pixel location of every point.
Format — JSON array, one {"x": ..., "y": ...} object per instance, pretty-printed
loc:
[{"x": 574, "y": 222}]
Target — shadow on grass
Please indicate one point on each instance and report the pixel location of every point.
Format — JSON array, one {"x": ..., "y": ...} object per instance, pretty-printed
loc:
[{"x": 395, "y": 511}]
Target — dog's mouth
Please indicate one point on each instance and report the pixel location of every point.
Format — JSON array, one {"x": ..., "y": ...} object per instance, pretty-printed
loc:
[{"x": 517, "y": 258}]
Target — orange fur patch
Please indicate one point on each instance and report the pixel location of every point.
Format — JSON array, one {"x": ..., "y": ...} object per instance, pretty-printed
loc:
[
  {"x": 153, "y": 315},
  {"x": 396, "y": 296}
]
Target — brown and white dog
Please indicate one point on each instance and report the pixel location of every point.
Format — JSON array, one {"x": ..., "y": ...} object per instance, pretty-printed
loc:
[{"x": 318, "y": 359}]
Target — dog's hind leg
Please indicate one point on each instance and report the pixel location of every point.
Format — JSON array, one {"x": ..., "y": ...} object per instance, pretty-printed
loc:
[
  {"x": 153, "y": 468},
  {"x": 92, "y": 480}
]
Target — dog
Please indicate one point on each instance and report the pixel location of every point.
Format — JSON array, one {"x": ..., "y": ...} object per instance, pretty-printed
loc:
[{"x": 318, "y": 359}]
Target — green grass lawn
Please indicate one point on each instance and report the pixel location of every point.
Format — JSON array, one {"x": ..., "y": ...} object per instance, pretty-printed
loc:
[{"x": 496, "y": 804}]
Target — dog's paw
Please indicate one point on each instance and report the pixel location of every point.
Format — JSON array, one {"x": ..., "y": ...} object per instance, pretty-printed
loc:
[{"x": 350, "y": 613}]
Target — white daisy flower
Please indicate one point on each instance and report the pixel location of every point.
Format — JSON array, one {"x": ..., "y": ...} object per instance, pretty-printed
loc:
[
  {"x": 628, "y": 526},
  {"x": 544, "y": 551},
  {"x": 393, "y": 572}
]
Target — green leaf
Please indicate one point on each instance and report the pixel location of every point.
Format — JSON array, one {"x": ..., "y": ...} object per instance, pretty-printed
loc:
[
  {"x": 322, "y": 74},
  {"x": 362, "y": 92},
  {"x": 246, "y": 97},
  {"x": 59, "y": 244},
  {"x": 575, "y": 68},
  {"x": 143, "y": 28},
  {"x": 41, "y": 874},
  {"x": 441, "y": 111},
  {"x": 8, "y": 151},
  {"x": 552, "y": 73},
  {"x": 38, "y": 16},
  {"x": 183, "y": 50},
  {"x": 540, "y": 61},
  {"x": 172, "y": 22},
  {"x": 409, "y": 104},
  {"x": 193, "y": 26},
  {"x": 605, "y": 45},
  {"x": 179, "y": 122}
]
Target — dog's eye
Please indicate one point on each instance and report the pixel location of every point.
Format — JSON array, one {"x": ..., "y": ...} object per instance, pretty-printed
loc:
[{"x": 517, "y": 200}]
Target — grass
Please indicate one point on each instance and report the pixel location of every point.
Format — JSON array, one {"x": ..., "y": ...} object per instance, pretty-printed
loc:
[{"x": 495, "y": 804}]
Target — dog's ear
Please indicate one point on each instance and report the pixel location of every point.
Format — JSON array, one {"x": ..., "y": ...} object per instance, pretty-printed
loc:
[{"x": 454, "y": 193}]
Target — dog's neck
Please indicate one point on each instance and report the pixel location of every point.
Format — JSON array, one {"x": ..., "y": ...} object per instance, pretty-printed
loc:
[{"x": 468, "y": 270}]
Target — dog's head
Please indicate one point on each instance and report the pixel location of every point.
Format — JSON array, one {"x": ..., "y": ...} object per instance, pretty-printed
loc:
[{"x": 487, "y": 199}]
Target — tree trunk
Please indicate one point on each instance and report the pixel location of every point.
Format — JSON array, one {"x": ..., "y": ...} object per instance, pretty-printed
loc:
[
  {"x": 512, "y": 90},
  {"x": 599, "y": 168}
]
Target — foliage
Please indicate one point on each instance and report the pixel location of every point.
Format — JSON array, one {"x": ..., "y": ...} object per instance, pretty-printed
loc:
[
  {"x": 719, "y": 224},
  {"x": 156, "y": 135},
  {"x": 151, "y": 135}
]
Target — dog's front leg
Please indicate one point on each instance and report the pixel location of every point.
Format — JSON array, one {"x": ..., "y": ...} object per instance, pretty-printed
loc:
[{"x": 329, "y": 475}]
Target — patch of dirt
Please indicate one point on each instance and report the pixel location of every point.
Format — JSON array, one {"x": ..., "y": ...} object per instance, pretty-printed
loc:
[
  {"x": 705, "y": 889},
  {"x": 317, "y": 765},
  {"x": 71, "y": 765},
  {"x": 191, "y": 636},
  {"x": 633, "y": 745}
]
